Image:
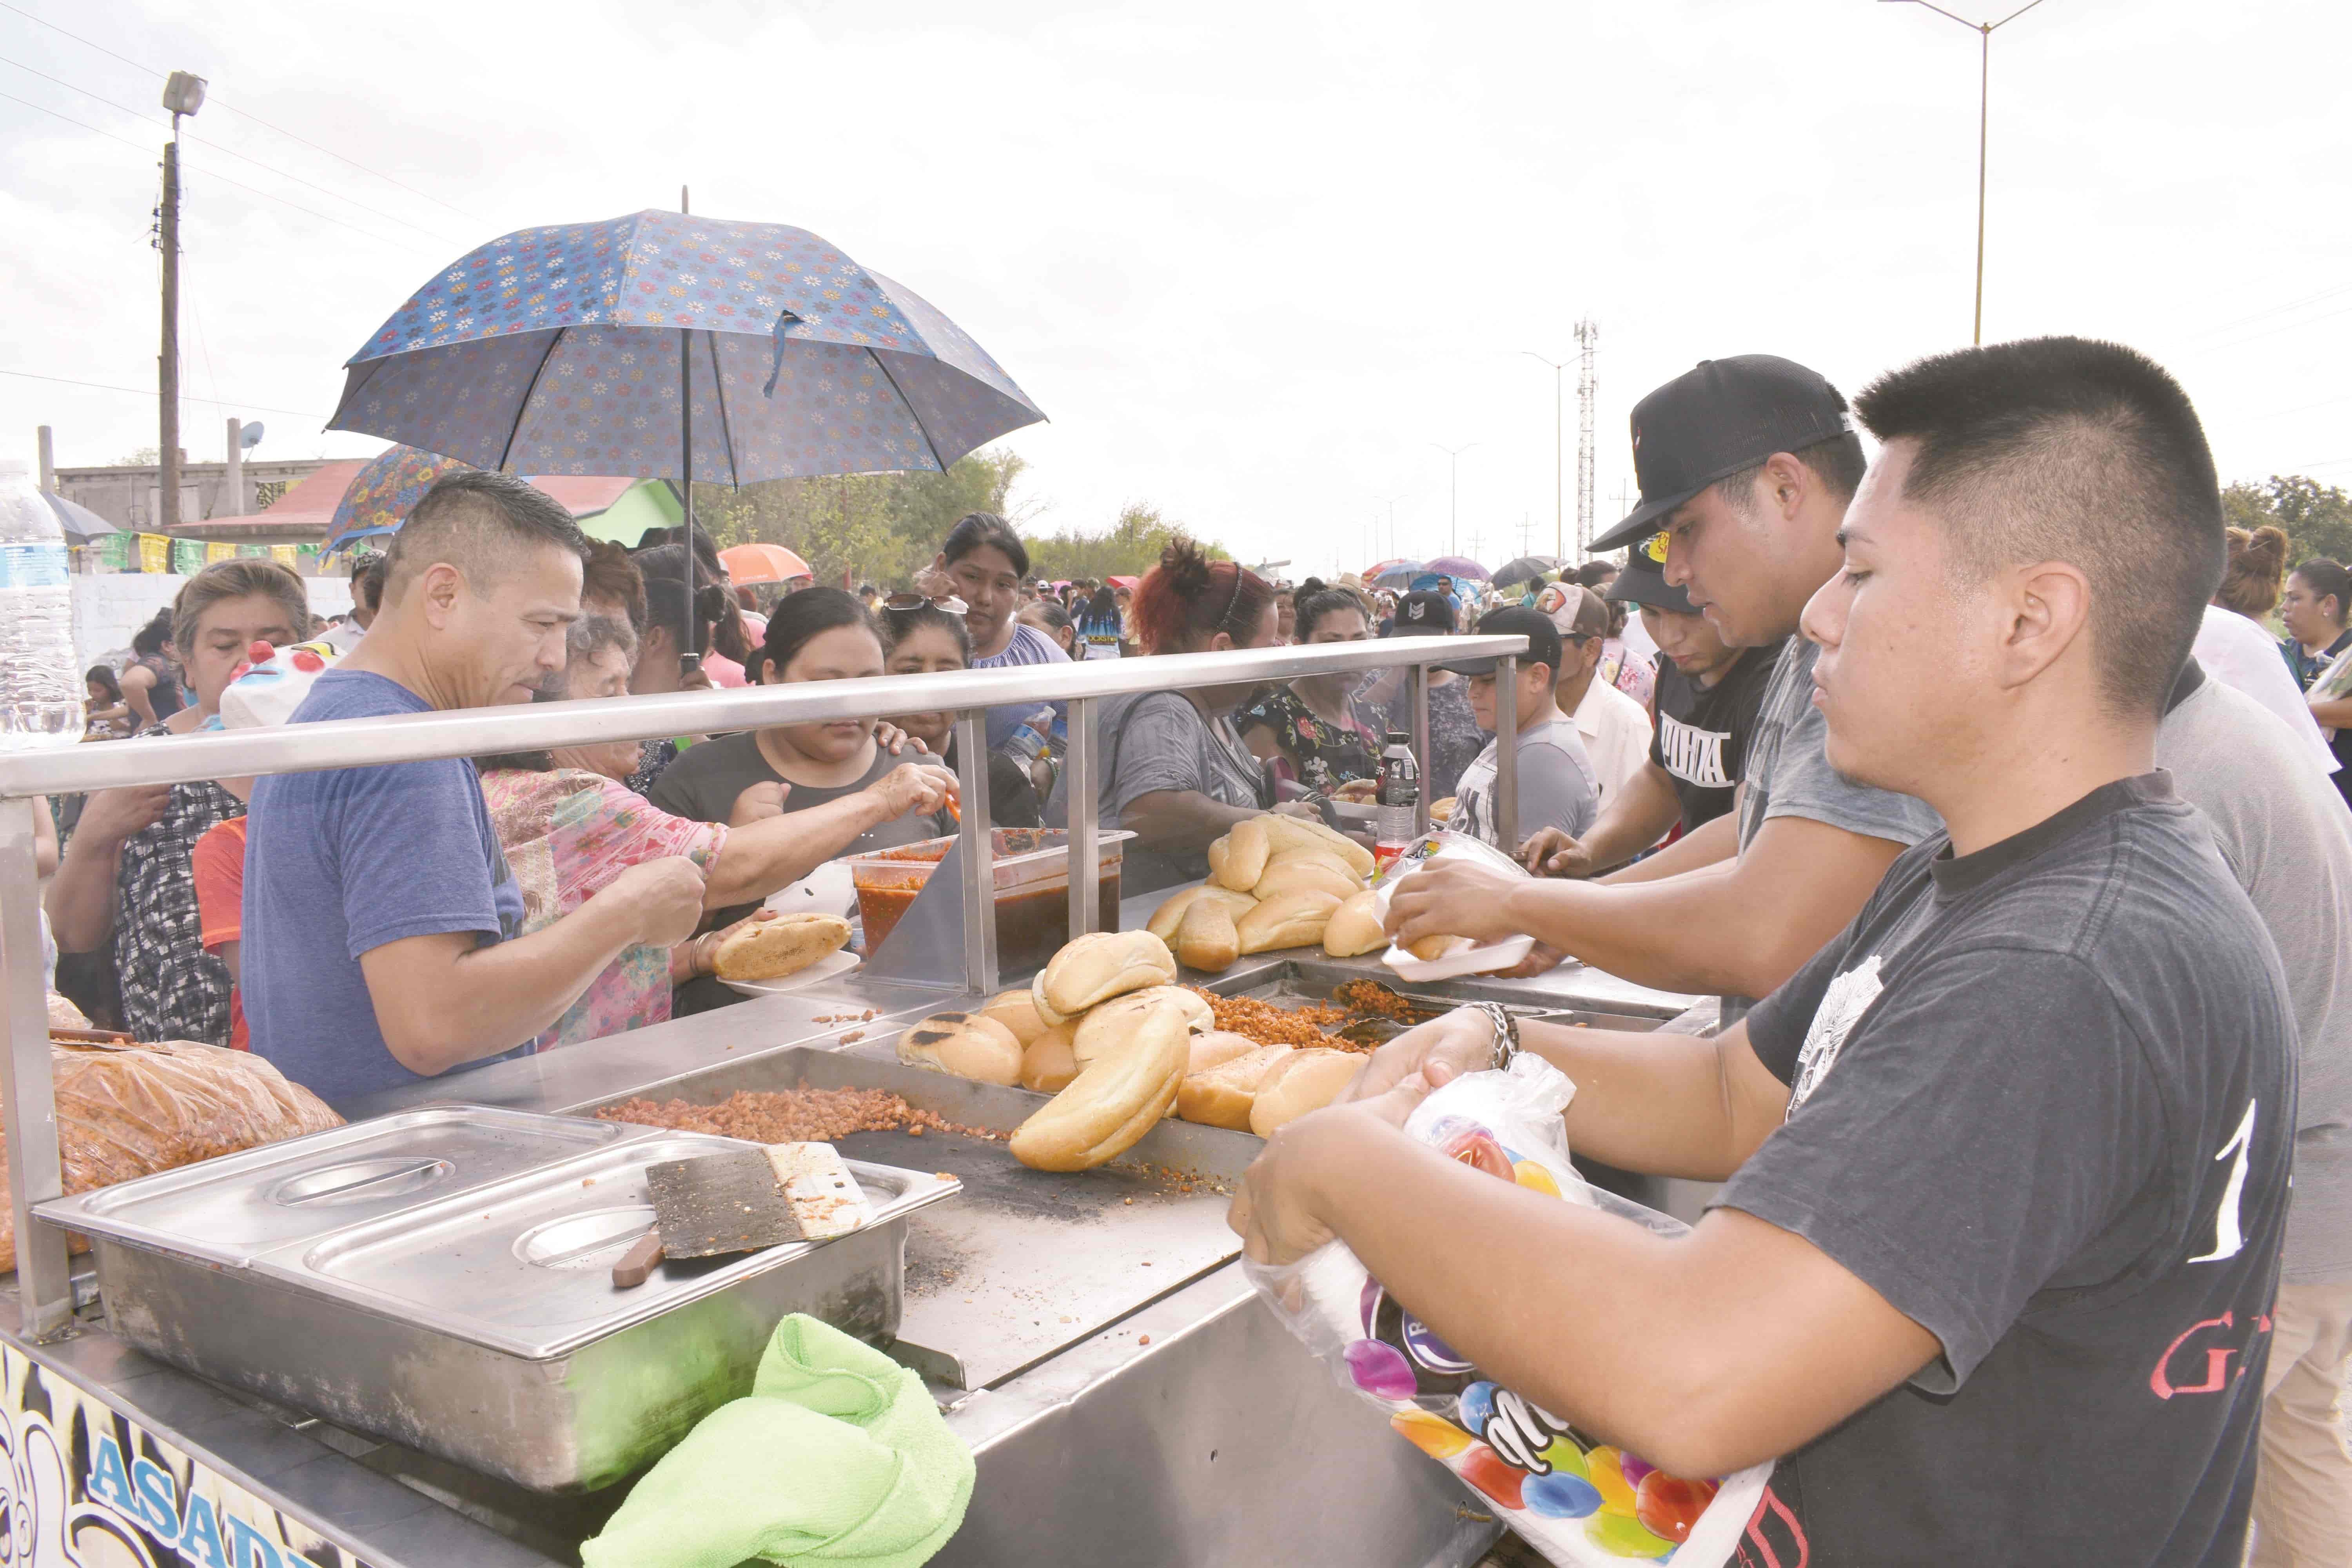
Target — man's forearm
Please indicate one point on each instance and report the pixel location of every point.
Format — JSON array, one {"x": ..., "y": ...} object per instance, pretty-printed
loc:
[
  {"x": 1662, "y": 1104},
  {"x": 1640, "y": 815},
  {"x": 1680, "y": 934},
  {"x": 80, "y": 897},
  {"x": 497, "y": 997},
  {"x": 1709, "y": 844},
  {"x": 2335, "y": 715}
]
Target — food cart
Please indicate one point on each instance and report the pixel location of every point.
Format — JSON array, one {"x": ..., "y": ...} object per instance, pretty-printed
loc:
[{"x": 333, "y": 1389}]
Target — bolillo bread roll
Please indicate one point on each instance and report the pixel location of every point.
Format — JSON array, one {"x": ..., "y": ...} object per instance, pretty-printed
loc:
[
  {"x": 1046, "y": 1065},
  {"x": 1169, "y": 914},
  {"x": 1355, "y": 926},
  {"x": 1217, "y": 1047},
  {"x": 1098, "y": 966},
  {"x": 1017, "y": 1011},
  {"x": 1302, "y": 833},
  {"x": 1110, "y": 1022},
  {"x": 770, "y": 950},
  {"x": 1222, "y": 1095},
  {"x": 1294, "y": 919},
  {"x": 1242, "y": 860},
  {"x": 1115, "y": 1098},
  {"x": 1302, "y": 1081},
  {"x": 964, "y": 1044},
  {"x": 1206, "y": 938},
  {"x": 1430, "y": 949},
  {"x": 1302, "y": 871}
]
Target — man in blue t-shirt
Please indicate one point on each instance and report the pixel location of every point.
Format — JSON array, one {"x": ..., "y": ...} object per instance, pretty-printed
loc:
[{"x": 380, "y": 916}]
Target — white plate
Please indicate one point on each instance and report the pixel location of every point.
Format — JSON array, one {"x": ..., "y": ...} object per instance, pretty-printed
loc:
[{"x": 824, "y": 968}]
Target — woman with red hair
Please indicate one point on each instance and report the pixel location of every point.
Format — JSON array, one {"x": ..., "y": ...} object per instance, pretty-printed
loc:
[{"x": 1174, "y": 771}]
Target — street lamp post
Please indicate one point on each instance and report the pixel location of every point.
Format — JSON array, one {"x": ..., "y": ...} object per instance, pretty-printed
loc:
[
  {"x": 1559, "y": 452},
  {"x": 1454, "y": 495},
  {"x": 1984, "y": 31}
]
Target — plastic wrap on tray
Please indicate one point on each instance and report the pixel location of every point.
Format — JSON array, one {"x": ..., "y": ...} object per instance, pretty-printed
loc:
[{"x": 132, "y": 1111}]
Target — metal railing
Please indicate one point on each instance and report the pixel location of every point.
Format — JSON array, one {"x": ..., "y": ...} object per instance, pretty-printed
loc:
[{"x": 44, "y": 1284}]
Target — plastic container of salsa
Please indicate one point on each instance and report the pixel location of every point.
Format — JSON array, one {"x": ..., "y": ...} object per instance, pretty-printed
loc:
[{"x": 1031, "y": 870}]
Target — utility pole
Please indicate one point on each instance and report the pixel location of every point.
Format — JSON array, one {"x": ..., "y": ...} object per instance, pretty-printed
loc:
[
  {"x": 1588, "y": 340},
  {"x": 183, "y": 94},
  {"x": 1559, "y": 452},
  {"x": 1984, "y": 31},
  {"x": 1453, "y": 495}
]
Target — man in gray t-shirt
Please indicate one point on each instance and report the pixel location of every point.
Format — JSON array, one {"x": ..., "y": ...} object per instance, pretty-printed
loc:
[
  {"x": 1746, "y": 465},
  {"x": 2280, "y": 826}
]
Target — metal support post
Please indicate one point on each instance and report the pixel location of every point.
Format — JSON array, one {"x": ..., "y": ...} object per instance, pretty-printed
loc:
[
  {"x": 978, "y": 852},
  {"x": 1506, "y": 753},
  {"x": 1417, "y": 684},
  {"x": 1083, "y": 795},
  {"x": 44, "y": 1285}
]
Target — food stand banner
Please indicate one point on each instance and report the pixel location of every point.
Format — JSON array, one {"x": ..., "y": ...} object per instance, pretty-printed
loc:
[
  {"x": 283, "y": 554},
  {"x": 90, "y": 1486},
  {"x": 114, "y": 550},
  {"x": 154, "y": 553},
  {"x": 218, "y": 550},
  {"x": 256, "y": 550},
  {"x": 187, "y": 556}
]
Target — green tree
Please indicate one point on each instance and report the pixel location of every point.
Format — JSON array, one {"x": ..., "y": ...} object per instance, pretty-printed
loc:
[
  {"x": 861, "y": 528},
  {"x": 1130, "y": 546},
  {"x": 2316, "y": 517}
]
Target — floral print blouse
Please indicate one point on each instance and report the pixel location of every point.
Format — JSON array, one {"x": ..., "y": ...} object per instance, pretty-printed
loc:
[
  {"x": 567, "y": 835},
  {"x": 1315, "y": 752}
]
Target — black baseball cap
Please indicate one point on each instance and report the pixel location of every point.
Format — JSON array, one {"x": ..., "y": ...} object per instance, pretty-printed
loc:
[
  {"x": 1644, "y": 580},
  {"x": 1423, "y": 613},
  {"x": 1519, "y": 620},
  {"x": 1710, "y": 422}
]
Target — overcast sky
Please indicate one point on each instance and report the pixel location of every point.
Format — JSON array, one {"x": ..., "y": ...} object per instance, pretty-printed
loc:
[{"x": 1255, "y": 260}]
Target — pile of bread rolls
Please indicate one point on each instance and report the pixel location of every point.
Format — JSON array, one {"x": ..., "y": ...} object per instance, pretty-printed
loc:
[
  {"x": 1104, "y": 1030},
  {"x": 1274, "y": 881}
]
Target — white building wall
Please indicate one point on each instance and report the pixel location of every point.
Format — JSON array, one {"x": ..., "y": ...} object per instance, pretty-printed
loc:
[{"x": 108, "y": 609}]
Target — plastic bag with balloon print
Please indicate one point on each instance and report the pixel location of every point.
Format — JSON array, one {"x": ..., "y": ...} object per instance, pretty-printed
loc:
[{"x": 1581, "y": 1502}]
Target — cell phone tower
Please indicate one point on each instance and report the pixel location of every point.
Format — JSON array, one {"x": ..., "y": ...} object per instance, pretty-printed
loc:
[{"x": 1588, "y": 339}]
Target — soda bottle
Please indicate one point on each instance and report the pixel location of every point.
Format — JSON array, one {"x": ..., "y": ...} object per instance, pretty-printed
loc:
[
  {"x": 40, "y": 682},
  {"x": 1400, "y": 799}
]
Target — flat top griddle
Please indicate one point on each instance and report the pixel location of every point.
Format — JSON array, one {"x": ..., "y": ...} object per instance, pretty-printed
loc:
[{"x": 1022, "y": 1263}]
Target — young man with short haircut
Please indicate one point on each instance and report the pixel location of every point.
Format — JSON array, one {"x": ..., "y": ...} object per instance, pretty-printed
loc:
[
  {"x": 2007, "y": 1161},
  {"x": 380, "y": 915},
  {"x": 1746, "y": 465},
  {"x": 1554, "y": 774}
]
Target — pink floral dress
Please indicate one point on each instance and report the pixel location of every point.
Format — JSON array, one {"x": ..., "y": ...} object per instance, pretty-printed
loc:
[{"x": 567, "y": 835}]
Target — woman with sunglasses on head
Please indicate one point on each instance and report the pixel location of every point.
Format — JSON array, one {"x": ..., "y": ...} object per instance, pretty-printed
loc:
[
  {"x": 923, "y": 639},
  {"x": 1174, "y": 770},
  {"x": 844, "y": 790},
  {"x": 982, "y": 561}
]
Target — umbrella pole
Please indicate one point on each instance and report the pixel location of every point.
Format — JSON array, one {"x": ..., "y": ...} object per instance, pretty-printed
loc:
[{"x": 688, "y": 659}]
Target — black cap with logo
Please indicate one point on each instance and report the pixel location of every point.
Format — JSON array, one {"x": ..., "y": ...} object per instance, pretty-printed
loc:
[
  {"x": 1423, "y": 613},
  {"x": 1644, "y": 580},
  {"x": 1519, "y": 620},
  {"x": 1712, "y": 421}
]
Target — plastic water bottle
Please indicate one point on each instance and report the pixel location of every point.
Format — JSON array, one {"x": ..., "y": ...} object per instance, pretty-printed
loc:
[
  {"x": 40, "y": 685},
  {"x": 1400, "y": 799}
]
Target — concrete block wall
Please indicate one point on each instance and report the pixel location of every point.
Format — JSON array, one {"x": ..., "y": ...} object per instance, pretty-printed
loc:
[{"x": 110, "y": 608}]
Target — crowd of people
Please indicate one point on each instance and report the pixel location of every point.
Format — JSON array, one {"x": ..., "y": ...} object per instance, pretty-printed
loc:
[{"x": 1872, "y": 758}]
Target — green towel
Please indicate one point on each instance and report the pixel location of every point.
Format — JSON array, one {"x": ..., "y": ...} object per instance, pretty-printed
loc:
[{"x": 839, "y": 1456}]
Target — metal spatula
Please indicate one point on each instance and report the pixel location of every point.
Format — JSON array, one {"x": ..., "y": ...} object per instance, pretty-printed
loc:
[{"x": 720, "y": 1203}]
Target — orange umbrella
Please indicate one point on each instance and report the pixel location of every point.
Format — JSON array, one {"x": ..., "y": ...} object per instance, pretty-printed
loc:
[{"x": 764, "y": 563}]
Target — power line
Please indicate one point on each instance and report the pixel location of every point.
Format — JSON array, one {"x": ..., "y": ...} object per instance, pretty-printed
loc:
[
  {"x": 150, "y": 391},
  {"x": 216, "y": 174},
  {"x": 207, "y": 141},
  {"x": 240, "y": 113}
]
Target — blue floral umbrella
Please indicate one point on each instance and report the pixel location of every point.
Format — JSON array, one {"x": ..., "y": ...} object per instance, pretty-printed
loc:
[{"x": 563, "y": 351}]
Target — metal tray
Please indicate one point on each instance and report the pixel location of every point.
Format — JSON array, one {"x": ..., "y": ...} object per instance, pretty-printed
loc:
[
  {"x": 484, "y": 1326},
  {"x": 231, "y": 1209}
]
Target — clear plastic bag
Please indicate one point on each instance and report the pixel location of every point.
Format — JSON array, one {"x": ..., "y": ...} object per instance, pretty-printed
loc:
[
  {"x": 1464, "y": 956},
  {"x": 1580, "y": 1503}
]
